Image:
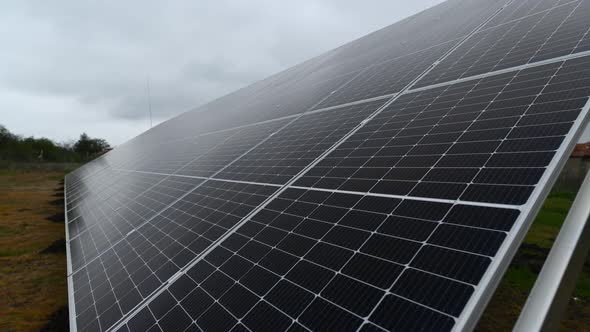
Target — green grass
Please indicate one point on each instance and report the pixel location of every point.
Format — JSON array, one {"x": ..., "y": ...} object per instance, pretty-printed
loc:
[
  {"x": 549, "y": 219},
  {"x": 15, "y": 168},
  {"x": 583, "y": 286},
  {"x": 542, "y": 234},
  {"x": 9, "y": 231},
  {"x": 568, "y": 195},
  {"x": 32, "y": 283},
  {"x": 14, "y": 252},
  {"x": 520, "y": 277},
  {"x": 47, "y": 281},
  {"x": 555, "y": 209}
]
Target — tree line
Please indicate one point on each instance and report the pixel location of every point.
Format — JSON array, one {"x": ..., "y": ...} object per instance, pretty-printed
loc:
[{"x": 30, "y": 149}]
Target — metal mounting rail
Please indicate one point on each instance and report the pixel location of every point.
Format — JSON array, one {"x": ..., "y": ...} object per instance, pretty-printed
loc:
[{"x": 549, "y": 297}]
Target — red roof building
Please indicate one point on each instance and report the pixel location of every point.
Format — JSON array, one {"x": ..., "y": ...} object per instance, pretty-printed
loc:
[{"x": 581, "y": 150}]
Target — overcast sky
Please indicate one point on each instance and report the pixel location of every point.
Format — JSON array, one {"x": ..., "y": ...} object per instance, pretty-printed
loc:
[{"x": 68, "y": 67}]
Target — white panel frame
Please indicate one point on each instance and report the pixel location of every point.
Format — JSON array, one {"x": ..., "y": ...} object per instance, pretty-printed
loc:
[
  {"x": 70, "y": 279},
  {"x": 555, "y": 284},
  {"x": 491, "y": 279}
]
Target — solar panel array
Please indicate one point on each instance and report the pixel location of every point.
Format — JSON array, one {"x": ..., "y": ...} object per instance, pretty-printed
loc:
[{"x": 383, "y": 185}]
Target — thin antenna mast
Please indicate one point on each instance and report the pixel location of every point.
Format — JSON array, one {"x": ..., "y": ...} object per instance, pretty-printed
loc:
[{"x": 149, "y": 100}]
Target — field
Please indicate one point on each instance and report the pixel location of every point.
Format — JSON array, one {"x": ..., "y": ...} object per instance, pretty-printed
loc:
[
  {"x": 33, "y": 291},
  {"x": 33, "y": 263}
]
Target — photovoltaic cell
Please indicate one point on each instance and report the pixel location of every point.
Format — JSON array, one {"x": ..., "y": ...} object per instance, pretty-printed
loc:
[
  {"x": 486, "y": 140},
  {"x": 113, "y": 190},
  {"x": 297, "y": 255},
  {"x": 294, "y": 147},
  {"x": 139, "y": 262},
  {"x": 170, "y": 157},
  {"x": 387, "y": 77},
  {"x": 212, "y": 161},
  {"x": 85, "y": 171},
  {"x": 553, "y": 32},
  {"x": 109, "y": 225},
  {"x": 518, "y": 9},
  {"x": 342, "y": 259},
  {"x": 99, "y": 181}
]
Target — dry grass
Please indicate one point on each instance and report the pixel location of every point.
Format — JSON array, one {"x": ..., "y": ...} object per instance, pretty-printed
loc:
[{"x": 32, "y": 285}]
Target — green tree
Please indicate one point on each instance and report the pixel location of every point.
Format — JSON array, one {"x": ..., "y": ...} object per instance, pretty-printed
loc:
[
  {"x": 30, "y": 149},
  {"x": 6, "y": 136},
  {"x": 91, "y": 147}
]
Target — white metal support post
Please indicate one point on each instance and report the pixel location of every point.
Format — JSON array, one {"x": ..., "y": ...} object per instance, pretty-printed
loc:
[{"x": 550, "y": 295}]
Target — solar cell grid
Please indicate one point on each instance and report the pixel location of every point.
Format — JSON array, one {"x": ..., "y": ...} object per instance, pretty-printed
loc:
[
  {"x": 219, "y": 157},
  {"x": 508, "y": 125},
  {"x": 172, "y": 156},
  {"x": 307, "y": 243},
  {"x": 402, "y": 218},
  {"x": 411, "y": 35},
  {"x": 515, "y": 10},
  {"x": 105, "y": 225},
  {"x": 294, "y": 147},
  {"x": 98, "y": 188},
  {"x": 95, "y": 183},
  {"x": 125, "y": 188},
  {"x": 275, "y": 102},
  {"x": 387, "y": 77},
  {"x": 139, "y": 262},
  {"x": 310, "y": 91},
  {"x": 554, "y": 32},
  {"x": 84, "y": 171},
  {"x": 120, "y": 189},
  {"x": 284, "y": 231}
]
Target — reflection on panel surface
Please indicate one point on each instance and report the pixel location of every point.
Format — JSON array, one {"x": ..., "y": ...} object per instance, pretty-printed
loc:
[
  {"x": 294, "y": 147},
  {"x": 485, "y": 140},
  {"x": 111, "y": 284},
  {"x": 310, "y": 252},
  {"x": 540, "y": 34}
]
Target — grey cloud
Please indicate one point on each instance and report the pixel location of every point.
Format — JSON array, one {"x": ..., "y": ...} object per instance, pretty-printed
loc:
[{"x": 96, "y": 55}]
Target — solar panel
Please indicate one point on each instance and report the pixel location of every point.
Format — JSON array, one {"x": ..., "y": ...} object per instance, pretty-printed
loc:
[
  {"x": 294, "y": 147},
  {"x": 459, "y": 141},
  {"x": 133, "y": 266},
  {"x": 384, "y": 185},
  {"x": 540, "y": 34}
]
